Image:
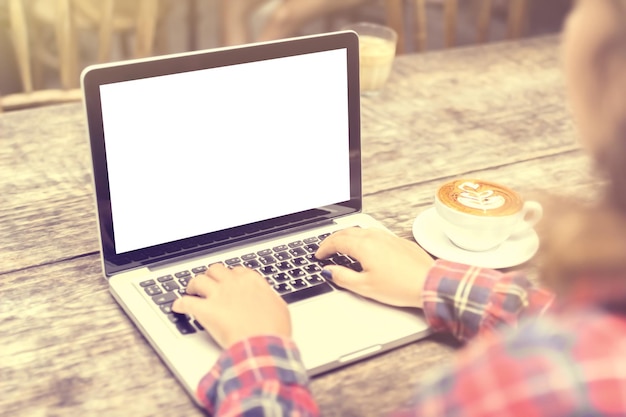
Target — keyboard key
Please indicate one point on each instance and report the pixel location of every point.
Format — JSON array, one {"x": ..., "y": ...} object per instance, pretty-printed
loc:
[
  {"x": 248, "y": 256},
  {"x": 356, "y": 266},
  {"x": 182, "y": 274},
  {"x": 315, "y": 279},
  {"x": 164, "y": 298},
  {"x": 282, "y": 256},
  {"x": 165, "y": 278},
  {"x": 312, "y": 268},
  {"x": 297, "y": 252},
  {"x": 305, "y": 293},
  {"x": 232, "y": 261},
  {"x": 184, "y": 327},
  {"x": 177, "y": 317},
  {"x": 311, "y": 258},
  {"x": 268, "y": 270},
  {"x": 310, "y": 240},
  {"x": 300, "y": 262},
  {"x": 284, "y": 266},
  {"x": 341, "y": 260},
  {"x": 282, "y": 288},
  {"x": 267, "y": 259},
  {"x": 198, "y": 325},
  {"x": 170, "y": 286},
  {"x": 298, "y": 284},
  {"x": 166, "y": 308},
  {"x": 280, "y": 248},
  {"x": 324, "y": 262},
  {"x": 252, "y": 264},
  {"x": 324, "y": 236},
  {"x": 184, "y": 281},
  {"x": 297, "y": 273},
  {"x": 280, "y": 277},
  {"x": 311, "y": 248},
  {"x": 199, "y": 270},
  {"x": 147, "y": 283},
  {"x": 296, "y": 244},
  {"x": 264, "y": 252},
  {"x": 153, "y": 290}
]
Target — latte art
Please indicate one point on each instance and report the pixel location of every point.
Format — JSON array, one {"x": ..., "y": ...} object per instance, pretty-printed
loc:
[{"x": 480, "y": 197}]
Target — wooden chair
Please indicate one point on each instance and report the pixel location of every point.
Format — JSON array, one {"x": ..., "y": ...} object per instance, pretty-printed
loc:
[
  {"x": 517, "y": 15},
  {"x": 67, "y": 17}
]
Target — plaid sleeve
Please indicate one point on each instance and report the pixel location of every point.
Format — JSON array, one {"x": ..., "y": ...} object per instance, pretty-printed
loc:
[
  {"x": 554, "y": 366},
  {"x": 260, "y": 376},
  {"x": 467, "y": 301}
]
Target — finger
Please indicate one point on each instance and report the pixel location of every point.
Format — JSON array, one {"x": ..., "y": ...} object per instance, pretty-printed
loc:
[
  {"x": 342, "y": 241},
  {"x": 244, "y": 271},
  {"x": 239, "y": 269},
  {"x": 345, "y": 277},
  {"x": 201, "y": 285},
  {"x": 217, "y": 271},
  {"x": 188, "y": 304}
]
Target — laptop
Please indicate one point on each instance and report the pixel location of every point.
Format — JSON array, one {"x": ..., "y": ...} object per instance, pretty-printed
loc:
[{"x": 248, "y": 156}]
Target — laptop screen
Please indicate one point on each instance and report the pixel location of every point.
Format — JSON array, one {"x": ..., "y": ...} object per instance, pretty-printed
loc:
[
  {"x": 206, "y": 150},
  {"x": 192, "y": 145}
]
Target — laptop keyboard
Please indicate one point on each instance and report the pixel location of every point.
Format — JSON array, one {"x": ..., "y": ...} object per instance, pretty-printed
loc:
[{"x": 291, "y": 269}]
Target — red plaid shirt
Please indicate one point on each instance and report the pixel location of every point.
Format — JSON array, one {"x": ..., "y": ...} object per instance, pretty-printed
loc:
[{"x": 523, "y": 361}]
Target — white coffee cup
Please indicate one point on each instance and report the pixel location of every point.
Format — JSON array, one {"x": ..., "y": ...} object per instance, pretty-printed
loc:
[{"x": 478, "y": 215}]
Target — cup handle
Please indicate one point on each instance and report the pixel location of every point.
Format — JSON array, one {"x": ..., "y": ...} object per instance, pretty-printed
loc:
[{"x": 531, "y": 214}]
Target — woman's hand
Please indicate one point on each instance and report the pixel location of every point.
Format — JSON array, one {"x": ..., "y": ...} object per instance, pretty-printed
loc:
[
  {"x": 394, "y": 269},
  {"x": 234, "y": 304}
]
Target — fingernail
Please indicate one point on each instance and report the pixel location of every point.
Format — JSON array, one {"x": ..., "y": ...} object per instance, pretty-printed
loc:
[{"x": 327, "y": 274}]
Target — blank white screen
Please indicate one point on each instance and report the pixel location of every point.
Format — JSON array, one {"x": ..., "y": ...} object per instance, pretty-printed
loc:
[{"x": 196, "y": 152}]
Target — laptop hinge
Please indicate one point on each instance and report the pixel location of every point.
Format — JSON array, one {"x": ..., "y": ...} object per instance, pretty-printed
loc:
[{"x": 243, "y": 241}]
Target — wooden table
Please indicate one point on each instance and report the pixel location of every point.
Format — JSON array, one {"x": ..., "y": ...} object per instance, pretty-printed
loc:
[{"x": 67, "y": 349}]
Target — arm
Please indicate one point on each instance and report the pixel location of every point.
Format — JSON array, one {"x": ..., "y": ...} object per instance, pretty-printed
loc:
[
  {"x": 461, "y": 299},
  {"x": 260, "y": 371},
  {"x": 262, "y": 375},
  {"x": 467, "y": 301},
  {"x": 542, "y": 368}
]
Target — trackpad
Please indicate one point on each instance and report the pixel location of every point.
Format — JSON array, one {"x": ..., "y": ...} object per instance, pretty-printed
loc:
[{"x": 331, "y": 327}]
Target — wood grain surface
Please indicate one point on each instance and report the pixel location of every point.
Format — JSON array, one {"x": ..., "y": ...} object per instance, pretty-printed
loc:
[{"x": 496, "y": 112}]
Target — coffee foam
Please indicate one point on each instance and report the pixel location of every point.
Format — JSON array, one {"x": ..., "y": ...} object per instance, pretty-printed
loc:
[{"x": 478, "y": 197}]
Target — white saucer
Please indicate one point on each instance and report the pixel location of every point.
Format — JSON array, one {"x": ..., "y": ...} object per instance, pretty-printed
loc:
[{"x": 514, "y": 251}]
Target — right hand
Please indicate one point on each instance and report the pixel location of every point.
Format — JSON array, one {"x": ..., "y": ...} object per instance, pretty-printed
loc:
[
  {"x": 394, "y": 269},
  {"x": 235, "y": 304}
]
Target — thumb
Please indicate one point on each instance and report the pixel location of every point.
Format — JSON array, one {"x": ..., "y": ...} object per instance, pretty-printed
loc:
[
  {"x": 344, "y": 277},
  {"x": 187, "y": 304}
]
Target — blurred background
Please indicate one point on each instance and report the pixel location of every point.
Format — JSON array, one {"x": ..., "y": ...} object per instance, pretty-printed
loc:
[{"x": 44, "y": 44}]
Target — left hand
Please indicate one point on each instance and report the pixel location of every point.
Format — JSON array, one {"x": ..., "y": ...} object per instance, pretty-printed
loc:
[{"x": 234, "y": 304}]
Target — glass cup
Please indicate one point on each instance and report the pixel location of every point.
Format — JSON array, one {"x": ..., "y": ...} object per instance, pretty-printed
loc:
[{"x": 377, "y": 49}]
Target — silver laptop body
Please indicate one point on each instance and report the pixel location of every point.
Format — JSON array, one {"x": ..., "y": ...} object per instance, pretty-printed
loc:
[{"x": 247, "y": 155}]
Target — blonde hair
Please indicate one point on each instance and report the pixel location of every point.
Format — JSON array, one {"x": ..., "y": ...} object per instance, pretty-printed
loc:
[{"x": 590, "y": 240}]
